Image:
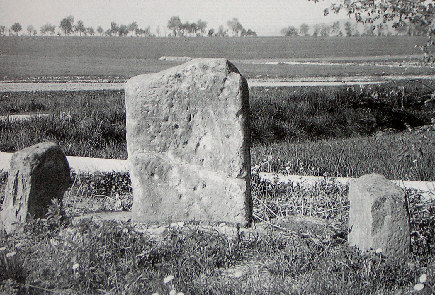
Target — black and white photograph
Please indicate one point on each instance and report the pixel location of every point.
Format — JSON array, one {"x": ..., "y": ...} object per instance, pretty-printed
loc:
[{"x": 175, "y": 147}]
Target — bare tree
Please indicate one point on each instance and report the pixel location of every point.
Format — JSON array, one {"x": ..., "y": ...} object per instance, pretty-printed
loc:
[
  {"x": 66, "y": 25},
  {"x": 114, "y": 29},
  {"x": 132, "y": 27},
  {"x": 202, "y": 26},
  {"x": 335, "y": 28},
  {"x": 16, "y": 27},
  {"x": 100, "y": 30},
  {"x": 80, "y": 27},
  {"x": 325, "y": 30},
  {"x": 248, "y": 33},
  {"x": 304, "y": 30},
  {"x": 221, "y": 32},
  {"x": 348, "y": 29},
  {"x": 316, "y": 30},
  {"x": 174, "y": 24},
  {"x": 90, "y": 31},
  {"x": 123, "y": 30},
  {"x": 235, "y": 26},
  {"x": 47, "y": 28},
  {"x": 290, "y": 31},
  {"x": 30, "y": 30}
]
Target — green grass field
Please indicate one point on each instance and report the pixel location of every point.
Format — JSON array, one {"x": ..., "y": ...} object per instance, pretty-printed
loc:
[
  {"x": 311, "y": 131},
  {"x": 122, "y": 58}
]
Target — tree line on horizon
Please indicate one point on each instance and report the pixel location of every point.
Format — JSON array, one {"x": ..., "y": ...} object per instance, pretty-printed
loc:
[
  {"x": 415, "y": 19},
  {"x": 177, "y": 28},
  {"x": 352, "y": 29}
]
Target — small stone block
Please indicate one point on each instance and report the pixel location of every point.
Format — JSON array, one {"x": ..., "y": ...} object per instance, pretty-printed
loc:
[
  {"x": 37, "y": 175},
  {"x": 378, "y": 216}
]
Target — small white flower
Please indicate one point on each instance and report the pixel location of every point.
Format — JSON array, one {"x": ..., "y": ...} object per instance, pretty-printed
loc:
[
  {"x": 180, "y": 293},
  {"x": 418, "y": 287},
  {"x": 10, "y": 254},
  {"x": 75, "y": 266},
  {"x": 125, "y": 230},
  {"x": 54, "y": 242},
  {"x": 238, "y": 274},
  {"x": 2, "y": 249},
  {"x": 423, "y": 278},
  {"x": 378, "y": 251},
  {"x": 168, "y": 279},
  {"x": 173, "y": 292}
]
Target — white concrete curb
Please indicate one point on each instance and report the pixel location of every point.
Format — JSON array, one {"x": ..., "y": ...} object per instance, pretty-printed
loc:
[
  {"x": 427, "y": 187},
  {"x": 79, "y": 164},
  {"x": 91, "y": 165}
]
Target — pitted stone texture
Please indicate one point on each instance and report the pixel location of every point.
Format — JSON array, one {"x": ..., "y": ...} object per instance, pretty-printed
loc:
[
  {"x": 378, "y": 216},
  {"x": 37, "y": 174},
  {"x": 188, "y": 143}
]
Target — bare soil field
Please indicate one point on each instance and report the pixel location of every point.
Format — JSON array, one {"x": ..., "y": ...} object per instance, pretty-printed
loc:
[{"x": 115, "y": 59}]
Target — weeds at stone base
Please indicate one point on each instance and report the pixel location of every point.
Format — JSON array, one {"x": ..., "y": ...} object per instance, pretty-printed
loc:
[
  {"x": 54, "y": 256},
  {"x": 98, "y": 192}
]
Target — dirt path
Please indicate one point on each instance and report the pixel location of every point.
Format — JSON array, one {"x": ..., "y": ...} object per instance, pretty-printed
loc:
[{"x": 308, "y": 81}]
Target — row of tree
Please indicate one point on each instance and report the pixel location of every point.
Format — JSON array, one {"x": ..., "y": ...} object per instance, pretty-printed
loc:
[
  {"x": 178, "y": 28},
  {"x": 350, "y": 29}
]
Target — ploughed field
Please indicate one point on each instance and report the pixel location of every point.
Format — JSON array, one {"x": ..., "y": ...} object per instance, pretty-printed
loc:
[
  {"x": 334, "y": 131},
  {"x": 114, "y": 59}
]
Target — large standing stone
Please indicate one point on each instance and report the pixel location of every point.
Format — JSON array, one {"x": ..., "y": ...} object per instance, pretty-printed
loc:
[
  {"x": 188, "y": 143},
  {"x": 378, "y": 216},
  {"x": 37, "y": 174}
]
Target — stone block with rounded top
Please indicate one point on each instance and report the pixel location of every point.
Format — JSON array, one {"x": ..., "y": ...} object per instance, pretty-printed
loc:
[
  {"x": 37, "y": 175},
  {"x": 188, "y": 143}
]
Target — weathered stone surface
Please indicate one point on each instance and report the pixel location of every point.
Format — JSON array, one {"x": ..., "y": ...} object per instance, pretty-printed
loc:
[
  {"x": 188, "y": 143},
  {"x": 37, "y": 174},
  {"x": 378, "y": 216}
]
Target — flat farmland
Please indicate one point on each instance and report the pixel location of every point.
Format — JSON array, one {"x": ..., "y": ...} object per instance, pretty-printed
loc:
[
  {"x": 298, "y": 243},
  {"x": 117, "y": 58}
]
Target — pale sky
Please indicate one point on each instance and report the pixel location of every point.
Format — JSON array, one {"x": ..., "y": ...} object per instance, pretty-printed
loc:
[{"x": 266, "y": 17}]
